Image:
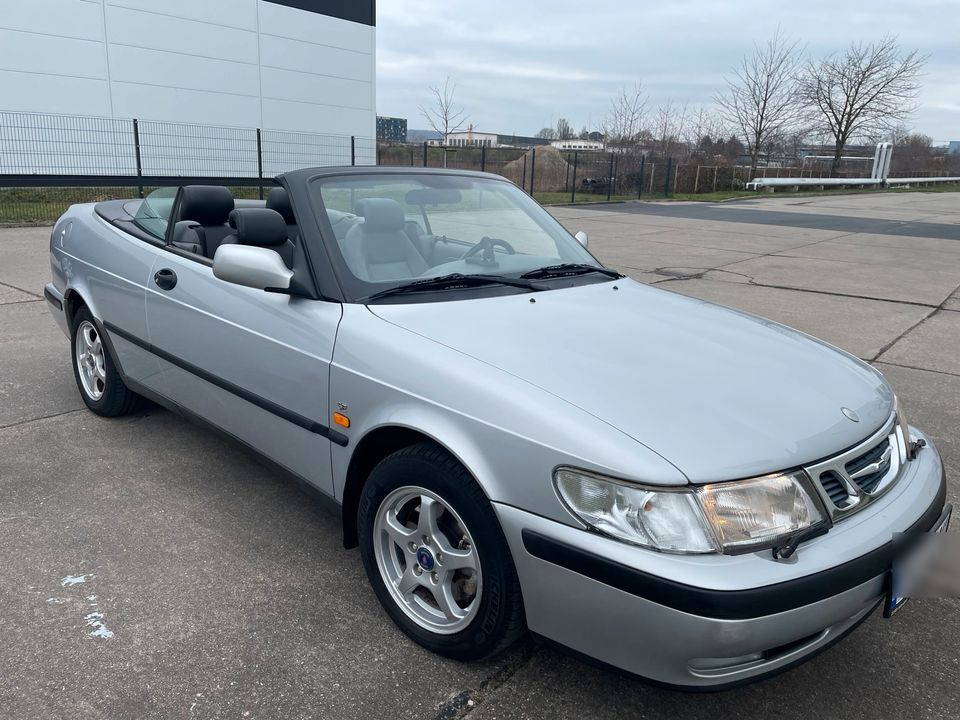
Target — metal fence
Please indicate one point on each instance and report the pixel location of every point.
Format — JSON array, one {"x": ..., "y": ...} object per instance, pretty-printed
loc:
[{"x": 48, "y": 162}]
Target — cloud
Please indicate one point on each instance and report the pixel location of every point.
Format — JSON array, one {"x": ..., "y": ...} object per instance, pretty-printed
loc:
[{"x": 521, "y": 65}]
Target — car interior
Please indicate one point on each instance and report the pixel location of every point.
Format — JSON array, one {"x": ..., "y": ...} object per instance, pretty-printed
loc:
[{"x": 380, "y": 240}]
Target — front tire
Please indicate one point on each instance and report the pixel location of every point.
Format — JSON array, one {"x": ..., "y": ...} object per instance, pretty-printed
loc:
[
  {"x": 98, "y": 380},
  {"x": 436, "y": 556}
]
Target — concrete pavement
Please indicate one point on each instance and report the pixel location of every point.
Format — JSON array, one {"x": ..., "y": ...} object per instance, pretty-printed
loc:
[{"x": 225, "y": 588}]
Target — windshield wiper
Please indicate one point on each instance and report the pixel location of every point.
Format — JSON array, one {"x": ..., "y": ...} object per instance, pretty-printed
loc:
[
  {"x": 455, "y": 280},
  {"x": 567, "y": 269}
]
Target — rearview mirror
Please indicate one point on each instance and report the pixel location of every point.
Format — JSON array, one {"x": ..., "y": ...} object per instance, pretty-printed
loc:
[
  {"x": 582, "y": 238},
  {"x": 250, "y": 266}
]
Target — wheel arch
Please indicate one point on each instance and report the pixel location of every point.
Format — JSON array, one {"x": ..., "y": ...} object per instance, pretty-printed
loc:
[
  {"x": 372, "y": 448},
  {"x": 73, "y": 300}
]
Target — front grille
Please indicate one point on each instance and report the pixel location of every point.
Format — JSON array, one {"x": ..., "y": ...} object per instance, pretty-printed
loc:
[
  {"x": 835, "y": 488},
  {"x": 852, "y": 479},
  {"x": 879, "y": 454}
]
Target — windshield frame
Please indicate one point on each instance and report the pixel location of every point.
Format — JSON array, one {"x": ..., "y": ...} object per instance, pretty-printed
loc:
[{"x": 358, "y": 291}]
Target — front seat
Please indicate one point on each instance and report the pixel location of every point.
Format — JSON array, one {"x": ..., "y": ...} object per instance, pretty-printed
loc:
[
  {"x": 379, "y": 248},
  {"x": 209, "y": 206},
  {"x": 260, "y": 227}
]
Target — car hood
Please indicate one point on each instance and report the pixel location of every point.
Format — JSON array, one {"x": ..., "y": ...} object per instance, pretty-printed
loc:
[{"x": 719, "y": 393}]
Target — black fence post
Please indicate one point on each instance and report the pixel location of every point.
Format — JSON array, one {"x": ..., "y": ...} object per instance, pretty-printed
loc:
[
  {"x": 483, "y": 158},
  {"x": 666, "y": 183},
  {"x": 533, "y": 169},
  {"x": 573, "y": 185},
  {"x": 424, "y": 153},
  {"x": 378, "y": 153},
  {"x": 353, "y": 150},
  {"x": 136, "y": 151},
  {"x": 643, "y": 162},
  {"x": 610, "y": 177},
  {"x": 616, "y": 172},
  {"x": 523, "y": 178},
  {"x": 260, "y": 162}
]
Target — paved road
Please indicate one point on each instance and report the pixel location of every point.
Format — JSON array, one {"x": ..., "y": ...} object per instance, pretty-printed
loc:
[{"x": 225, "y": 588}]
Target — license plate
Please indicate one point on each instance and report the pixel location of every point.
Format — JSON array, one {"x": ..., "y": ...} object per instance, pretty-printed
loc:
[{"x": 895, "y": 595}]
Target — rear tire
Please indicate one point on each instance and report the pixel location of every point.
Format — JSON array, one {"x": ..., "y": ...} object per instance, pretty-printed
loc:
[
  {"x": 465, "y": 602},
  {"x": 95, "y": 371}
]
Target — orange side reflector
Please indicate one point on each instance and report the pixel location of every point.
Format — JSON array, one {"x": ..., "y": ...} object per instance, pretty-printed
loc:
[{"x": 341, "y": 420}]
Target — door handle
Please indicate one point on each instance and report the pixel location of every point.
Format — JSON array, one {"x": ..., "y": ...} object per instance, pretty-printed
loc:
[{"x": 166, "y": 279}]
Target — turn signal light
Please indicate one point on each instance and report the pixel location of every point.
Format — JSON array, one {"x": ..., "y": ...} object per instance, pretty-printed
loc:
[{"x": 341, "y": 420}]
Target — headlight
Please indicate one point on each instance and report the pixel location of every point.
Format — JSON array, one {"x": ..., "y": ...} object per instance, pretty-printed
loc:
[
  {"x": 728, "y": 517},
  {"x": 667, "y": 520}
]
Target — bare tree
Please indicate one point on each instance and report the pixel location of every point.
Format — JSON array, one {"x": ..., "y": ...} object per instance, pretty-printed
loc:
[
  {"x": 624, "y": 120},
  {"x": 443, "y": 115},
  {"x": 760, "y": 100},
  {"x": 546, "y": 133},
  {"x": 868, "y": 89},
  {"x": 564, "y": 129},
  {"x": 670, "y": 125}
]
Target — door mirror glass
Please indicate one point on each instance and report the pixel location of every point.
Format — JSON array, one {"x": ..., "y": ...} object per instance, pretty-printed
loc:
[
  {"x": 250, "y": 266},
  {"x": 582, "y": 238}
]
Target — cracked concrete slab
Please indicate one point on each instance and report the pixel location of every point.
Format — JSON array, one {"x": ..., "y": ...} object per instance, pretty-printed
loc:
[
  {"x": 867, "y": 327},
  {"x": 649, "y": 255},
  {"x": 26, "y": 263},
  {"x": 933, "y": 345},
  {"x": 37, "y": 379},
  {"x": 10, "y": 295},
  {"x": 929, "y": 286}
]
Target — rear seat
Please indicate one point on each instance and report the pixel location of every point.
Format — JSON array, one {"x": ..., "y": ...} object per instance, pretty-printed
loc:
[{"x": 279, "y": 201}]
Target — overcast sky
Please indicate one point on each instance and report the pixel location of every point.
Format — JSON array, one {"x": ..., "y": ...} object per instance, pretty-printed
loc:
[{"x": 521, "y": 64}]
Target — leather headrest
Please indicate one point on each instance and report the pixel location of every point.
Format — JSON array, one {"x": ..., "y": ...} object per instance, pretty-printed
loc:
[
  {"x": 205, "y": 204},
  {"x": 277, "y": 199},
  {"x": 381, "y": 215},
  {"x": 258, "y": 226}
]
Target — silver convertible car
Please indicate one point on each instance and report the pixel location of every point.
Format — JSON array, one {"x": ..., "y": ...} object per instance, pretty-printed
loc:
[{"x": 516, "y": 437}]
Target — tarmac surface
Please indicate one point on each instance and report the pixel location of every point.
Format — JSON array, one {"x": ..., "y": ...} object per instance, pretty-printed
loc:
[{"x": 152, "y": 569}]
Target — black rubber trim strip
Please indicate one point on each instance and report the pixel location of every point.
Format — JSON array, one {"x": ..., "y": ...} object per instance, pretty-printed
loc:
[
  {"x": 52, "y": 299},
  {"x": 727, "y": 604},
  {"x": 254, "y": 399}
]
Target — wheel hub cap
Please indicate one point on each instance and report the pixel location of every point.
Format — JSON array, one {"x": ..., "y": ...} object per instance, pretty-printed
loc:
[{"x": 425, "y": 558}]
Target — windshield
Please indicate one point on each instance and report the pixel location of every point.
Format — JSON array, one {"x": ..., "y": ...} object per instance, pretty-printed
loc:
[{"x": 394, "y": 229}]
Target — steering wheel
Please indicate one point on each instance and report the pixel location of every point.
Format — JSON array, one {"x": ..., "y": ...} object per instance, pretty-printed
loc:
[{"x": 486, "y": 246}]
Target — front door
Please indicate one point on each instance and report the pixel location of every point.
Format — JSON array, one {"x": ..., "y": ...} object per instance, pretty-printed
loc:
[{"x": 253, "y": 363}]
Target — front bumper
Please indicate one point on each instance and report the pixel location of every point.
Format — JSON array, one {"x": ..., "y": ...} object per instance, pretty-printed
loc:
[
  {"x": 55, "y": 303},
  {"x": 711, "y": 622}
]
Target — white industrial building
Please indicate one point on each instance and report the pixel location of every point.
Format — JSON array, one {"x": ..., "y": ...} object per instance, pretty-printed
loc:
[{"x": 295, "y": 65}]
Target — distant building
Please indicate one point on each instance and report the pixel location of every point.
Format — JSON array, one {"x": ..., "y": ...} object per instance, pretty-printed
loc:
[
  {"x": 421, "y": 136},
  {"x": 391, "y": 129},
  {"x": 953, "y": 147},
  {"x": 472, "y": 138},
  {"x": 577, "y": 144}
]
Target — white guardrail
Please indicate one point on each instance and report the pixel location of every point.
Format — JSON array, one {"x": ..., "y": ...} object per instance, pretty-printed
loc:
[
  {"x": 771, "y": 184},
  {"x": 878, "y": 177}
]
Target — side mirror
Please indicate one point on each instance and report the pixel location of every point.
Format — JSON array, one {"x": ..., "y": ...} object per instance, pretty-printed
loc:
[
  {"x": 251, "y": 266},
  {"x": 582, "y": 238}
]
